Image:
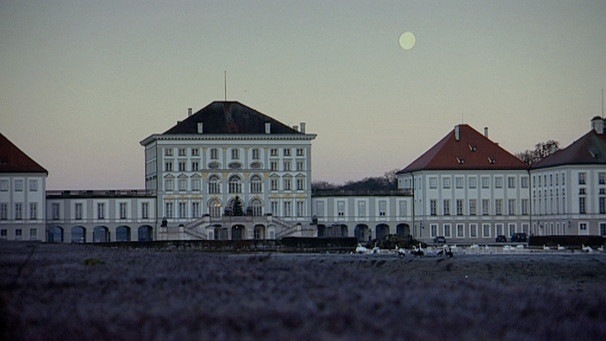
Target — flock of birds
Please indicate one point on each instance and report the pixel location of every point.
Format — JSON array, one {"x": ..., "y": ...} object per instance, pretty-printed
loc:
[{"x": 449, "y": 251}]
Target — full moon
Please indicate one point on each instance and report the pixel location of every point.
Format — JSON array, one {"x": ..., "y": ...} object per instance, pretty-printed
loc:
[{"x": 407, "y": 40}]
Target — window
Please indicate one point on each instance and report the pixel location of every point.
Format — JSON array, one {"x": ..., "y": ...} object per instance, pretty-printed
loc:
[
  {"x": 511, "y": 203},
  {"x": 287, "y": 184},
  {"x": 602, "y": 178},
  {"x": 33, "y": 210},
  {"x": 446, "y": 206},
  {"x": 182, "y": 184},
  {"x": 485, "y": 182},
  {"x": 524, "y": 182},
  {"x": 33, "y": 234},
  {"x": 214, "y": 154},
  {"x": 447, "y": 231},
  {"x": 145, "y": 210},
  {"x": 300, "y": 165},
  {"x": 320, "y": 208},
  {"x": 433, "y": 230},
  {"x": 195, "y": 165},
  {"x": 300, "y": 208},
  {"x": 257, "y": 208},
  {"x": 182, "y": 152},
  {"x": 433, "y": 182},
  {"x": 432, "y": 207},
  {"x": 459, "y": 182},
  {"x": 275, "y": 209},
  {"x": 583, "y": 226},
  {"x": 214, "y": 208},
  {"x": 300, "y": 184},
  {"x": 18, "y": 185},
  {"x": 485, "y": 206},
  {"x": 582, "y": 179},
  {"x": 3, "y": 185},
  {"x": 274, "y": 165},
  {"x": 235, "y": 154},
  {"x": 123, "y": 210},
  {"x": 511, "y": 182},
  {"x": 382, "y": 208},
  {"x": 214, "y": 185},
  {"x": 446, "y": 183},
  {"x": 287, "y": 165},
  {"x": 287, "y": 209},
  {"x": 582, "y": 208},
  {"x": 300, "y": 152},
  {"x": 18, "y": 233},
  {"x": 473, "y": 182},
  {"x": 3, "y": 233},
  {"x": 55, "y": 211},
  {"x": 169, "y": 184},
  {"x": 255, "y": 154},
  {"x": 403, "y": 208},
  {"x": 525, "y": 206},
  {"x": 33, "y": 185},
  {"x": 485, "y": 230},
  {"x": 168, "y": 152},
  {"x": 498, "y": 182},
  {"x": 168, "y": 166},
  {"x": 602, "y": 205},
  {"x": 3, "y": 211},
  {"x": 274, "y": 184},
  {"x": 340, "y": 208},
  {"x": 101, "y": 210},
  {"x": 235, "y": 184},
  {"x": 196, "y": 184},
  {"x": 273, "y": 152},
  {"x": 182, "y": 166},
  {"x": 498, "y": 206},
  {"x": 460, "y": 230},
  {"x": 195, "y": 152},
  {"x": 472, "y": 206},
  {"x": 286, "y": 152},
  {"x": 182, "y": 209},
  {"x": 459, "y": 206},
  {"x": 361, "y": 209},
  {"x": 256, "y": 186},
  {"x": 168, "y": 212},
  {"x": 78, "y": 211}
]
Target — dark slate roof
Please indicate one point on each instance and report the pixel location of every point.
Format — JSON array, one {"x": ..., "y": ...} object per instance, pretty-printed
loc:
[
  {"x": 590, "y": 149},
  {"x": 473, "y": 151},
  {"x": 229, "y": 118},
  {"x": 13, "y": 160}
]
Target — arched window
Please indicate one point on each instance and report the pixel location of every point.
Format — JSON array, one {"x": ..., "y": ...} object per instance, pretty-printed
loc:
[
  {"x": 257, "y": 207},
  {"x": 235, "y": 184},
  {"x": 214, "y": 185},
  {"x": 214, "y": 208},
  {"x": 256, "y": 185}
]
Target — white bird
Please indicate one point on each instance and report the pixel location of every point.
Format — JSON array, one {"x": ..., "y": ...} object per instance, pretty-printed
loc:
[
  {"x": 587, "y": 248},
  {"x": 546, "y": 248},
  {"x": 520, "y": 246},
  {"x": 601, "y": 248},
  {"x": 561, "y": 248},
  {"x": 507, "y": 248},
  {"x": 362, "y": 249},
  {"x": 401, "y": 252},
  {"x": 376, "y": 250}
]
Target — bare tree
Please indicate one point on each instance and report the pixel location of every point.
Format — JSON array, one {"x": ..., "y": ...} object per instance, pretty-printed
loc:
[{"x": 541, "y": 151}]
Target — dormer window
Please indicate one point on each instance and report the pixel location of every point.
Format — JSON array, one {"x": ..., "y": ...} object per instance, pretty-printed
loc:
[
  {"x": 491, "y": 160},
  {"x": 472, "y": 148},
  {"x": 460, "y": 160}
]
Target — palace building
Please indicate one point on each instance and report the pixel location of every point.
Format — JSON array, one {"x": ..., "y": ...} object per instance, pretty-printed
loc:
[{"x": 228, "y": 171}]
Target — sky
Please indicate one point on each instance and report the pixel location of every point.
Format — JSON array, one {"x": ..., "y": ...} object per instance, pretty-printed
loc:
[{"x": 83, "y": 82}]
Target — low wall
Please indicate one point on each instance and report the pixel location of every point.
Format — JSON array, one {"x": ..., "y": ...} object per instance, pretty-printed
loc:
[{"x": 567, "y": 241}]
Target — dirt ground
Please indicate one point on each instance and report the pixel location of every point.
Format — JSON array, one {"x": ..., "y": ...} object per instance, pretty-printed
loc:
[{"x": 69, "y": 292}]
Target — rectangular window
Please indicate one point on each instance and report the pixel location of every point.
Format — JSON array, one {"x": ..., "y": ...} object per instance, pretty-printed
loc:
[
  {"x": 525, "y": 206},
  {"x": 582, "y": 208},
  {"x": 182, "y": 184},
  {"x": 195, "y": 166},
  {"x": 33, "y": 211},
  {"x": 511, "y": 182},
  {"x": 287, "y": 166},
  {"x": 195, "y": 184},
  {"x": 168, "y": 152},
  {"x": 472, "y": 206},
  {"x": 18, "y": 234},
  {"x": 485, "y": 230},
  {"x": 33, "y": 234},
  {"x": 320, "y": 208},
  {"x": 182, "y": 209},
  {"x": 100, "y": 210},
  {"x": 300, "y": 184},
  {"x": 447, "y": 231},
  {"x": 446, "y": 206},
  {"x": 169, "y": 211},
  {"x": 255, "y": 154},
  {"x": 286, "y": 152},
  {"x": 446, "y": 183},
  {"x": 55, "y": 211},
  {"x": 433, "y": 182},
  {"x": 498, "y": 182},
  {"x": 403, "y": 208},
  {"x": 168, "y": 166},
  {"x": 275, "y": 208},
  {"x": 340, "y": 208},
  {"x": 287, "y": 209},
  {"x": 485, "y": 207},
  {"x": 361, "y": 209},
  {"x": 300, "y": 152},
  {"x": 459, "y": 206},
  {"x": 582, "y": 178},
  {"x": 3, "y": 185},
  {"x": 300, "y": 165},
  {"x": 511, "y": 203},
  {"x": 78, "y": 211},
  {"x": 498, "y": 206},
  {"x": 214, "y": 154},
  {"x": 235, "y": 154},
  {"x": 300, "y": 208},
  {"x": 195, "y": 152},
  {"x": 273, "y": 152},
  {"x": 382, "y": 208},
  {"x": 145, "y": 210},
  {"x": 460, "y": 231},
  {"x": 433, "y": 230},
  {"x": 602, "y": 205},
  {"x": 524, "y": 182},
  {"x": 459, "y": 182},
  {"x": 33, "y": 185},
  {"x": 485, "y": 182},
  {"x": 182, "y": 166},
  {"x": 3, "y": 233},
  {"x": 287, "y": 184},
  {"x": 512, "y": 229},
  {"x": 123, "y": 210},
  {"x": 433, "y": 207},
  {"x": 602, "y": 178},
  {"x": 274, "y": 165},
  {"x": 182, "y": 152},
  {"x": 169, "y": 184},
  {"x": 473, "y": 182},
  {"x": 18, "y": 185},
  {"x": 274, "y": 184},
  {"x": 3, "y": 211}
]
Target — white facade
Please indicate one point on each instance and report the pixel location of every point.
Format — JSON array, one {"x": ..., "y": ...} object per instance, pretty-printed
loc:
[{"x": 22, "y": 206}]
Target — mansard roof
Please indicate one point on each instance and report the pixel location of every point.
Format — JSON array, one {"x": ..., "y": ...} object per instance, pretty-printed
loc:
[
  {"x": 589, "y": 149},
  {"x": 229, "y": 118},
  {"x": 13, "y": 160},
  {"x": 465, "y": 149}
]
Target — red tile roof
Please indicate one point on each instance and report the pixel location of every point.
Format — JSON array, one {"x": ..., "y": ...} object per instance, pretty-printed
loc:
[
  {"x": 589, "y": 149},
  {"x": 13, "y": 160},
  {"x": 472, "y": 151}
]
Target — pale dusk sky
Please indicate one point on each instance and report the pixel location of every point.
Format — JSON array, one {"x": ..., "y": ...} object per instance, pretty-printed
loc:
[{"x": 84, "y": 81}]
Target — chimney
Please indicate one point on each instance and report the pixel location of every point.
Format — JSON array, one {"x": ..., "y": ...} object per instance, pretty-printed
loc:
[
  {"x": 303, "y": 127},
  {"x": 486, "y": 132},
  {"x": 267, "y": 128},
  {"x": 189, "y": 112},
  {"x": 457, "y": 133},
  {"x": 200, "y": 127},
  {"x": 295, "y": 127},
  {"x": 597, "y": 124}
]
